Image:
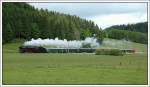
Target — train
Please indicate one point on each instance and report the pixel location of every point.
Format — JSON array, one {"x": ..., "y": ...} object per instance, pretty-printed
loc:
[{"x": 40, "y": 49}]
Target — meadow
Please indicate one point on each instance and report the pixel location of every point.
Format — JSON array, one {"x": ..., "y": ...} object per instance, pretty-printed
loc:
[{"x": 73, "y": 68}]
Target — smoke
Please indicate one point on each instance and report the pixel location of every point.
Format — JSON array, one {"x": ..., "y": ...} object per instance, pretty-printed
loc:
[
  {"x": 63, "y": 43},
  {"x": 120, "y": 44}
]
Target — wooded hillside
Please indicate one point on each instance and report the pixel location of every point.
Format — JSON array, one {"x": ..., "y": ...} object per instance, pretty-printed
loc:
[
  {"x": 20, "y": 20},
  {"x": 134, "y": 32},
  {"x": 138, "y": 27}
]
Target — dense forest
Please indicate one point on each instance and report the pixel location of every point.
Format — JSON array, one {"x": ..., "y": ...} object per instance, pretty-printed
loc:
[
  {"x": 20, "y": 20},
  {"x": 23, "y": 21},
  {"x": 138, "y": 27},
  {"x": 134, "y": 32}
]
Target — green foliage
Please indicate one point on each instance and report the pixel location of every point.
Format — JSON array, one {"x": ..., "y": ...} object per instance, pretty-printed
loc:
[
  {"x": 86, "y": 45},
  {"x": 115, "y": 52},
  {"x": 7, "y": 33},
  {"x": 26, "y": 22},
  {"x": 134, "y": 32},
  {"x": 100, "y": 35},
  {"x": 138, "y": 27},
  {"x": 128, "y": 35},
  {"x": 35, "y": 33},
  {"x": 85, "y": 33}
]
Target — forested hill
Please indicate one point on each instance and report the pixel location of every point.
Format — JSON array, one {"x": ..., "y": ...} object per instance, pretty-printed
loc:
[
  {"x": 20, "y": 20},
  {"x": 138, "y": 27},
  {"x": 134, "y": 32}
]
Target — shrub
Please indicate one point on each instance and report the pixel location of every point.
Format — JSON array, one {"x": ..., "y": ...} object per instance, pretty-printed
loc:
[
  {"x": 115, "y": 52},
  {"x": 87, "y": 45}
]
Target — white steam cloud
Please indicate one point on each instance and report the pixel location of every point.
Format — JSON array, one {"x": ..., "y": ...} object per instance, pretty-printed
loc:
[
  {"x": 120, "y": 44},
  {"x": 63, "y": 43}
]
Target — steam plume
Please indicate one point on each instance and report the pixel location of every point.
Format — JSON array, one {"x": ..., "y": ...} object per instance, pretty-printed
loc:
[{"x": 63, "y": 43}]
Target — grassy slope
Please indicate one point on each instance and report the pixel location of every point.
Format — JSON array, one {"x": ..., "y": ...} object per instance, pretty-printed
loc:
[{"x": 72, "y": 68}]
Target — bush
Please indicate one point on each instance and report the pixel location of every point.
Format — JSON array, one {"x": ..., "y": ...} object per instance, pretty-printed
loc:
[
  {"x": 115, "y": 52},
  {"x": 88, "y": 45}
]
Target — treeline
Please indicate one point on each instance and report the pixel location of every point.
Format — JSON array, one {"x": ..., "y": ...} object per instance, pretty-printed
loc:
[
  {"x": 127, "y": 35},
  {"x": 134, "y": 32},
  {"x": 20, "y": 20},
  {"x": 138, "y": 27}
]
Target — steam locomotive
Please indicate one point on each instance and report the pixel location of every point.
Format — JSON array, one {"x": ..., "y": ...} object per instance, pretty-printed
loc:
[{"x": 40, "y": 49}]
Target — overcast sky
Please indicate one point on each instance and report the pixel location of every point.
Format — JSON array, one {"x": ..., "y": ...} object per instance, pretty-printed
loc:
[{"x": 103, "y": 14}]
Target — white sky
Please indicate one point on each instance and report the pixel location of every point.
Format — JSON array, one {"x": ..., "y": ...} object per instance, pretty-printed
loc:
[
  {"x": 103, "y": 14},
  {"x": 104, "y": 21}
]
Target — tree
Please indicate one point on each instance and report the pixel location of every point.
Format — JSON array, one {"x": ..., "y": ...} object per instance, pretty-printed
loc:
[
  {"x": 128, "y": 35},
  {"x": 7, "y": 33},
  {"x": 27, "y": 22},
  {"x": 35, "y": 33},
  {"x": 138, "y": 27}
]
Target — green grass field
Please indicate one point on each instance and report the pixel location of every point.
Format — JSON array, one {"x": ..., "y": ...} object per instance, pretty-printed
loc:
[{"x": 47, "y": 68}]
